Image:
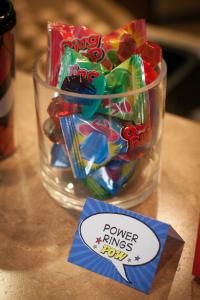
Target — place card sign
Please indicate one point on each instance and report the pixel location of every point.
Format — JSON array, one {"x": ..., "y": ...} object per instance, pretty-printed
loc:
[{"x": 119, "y": 244}]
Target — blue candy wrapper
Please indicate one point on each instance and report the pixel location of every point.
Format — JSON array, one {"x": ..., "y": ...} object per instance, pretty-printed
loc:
[
  {"x": 59, "y": 158},
  {"x": 91, "y": 143}
]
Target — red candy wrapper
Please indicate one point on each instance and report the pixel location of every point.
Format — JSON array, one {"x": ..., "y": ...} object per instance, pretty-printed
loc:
[
  {"x": 151, "y": 54},
  {"x": 120, "y": 44},
  {"x": 109, "y": 50},
  {"x": 79, "y": 38},
  {"x": 150, "y": 73},
  {"x": 196, "y": 264}
]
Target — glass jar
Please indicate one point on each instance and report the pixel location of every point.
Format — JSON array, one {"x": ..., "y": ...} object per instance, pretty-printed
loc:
[{"x": 124, "y": 183}]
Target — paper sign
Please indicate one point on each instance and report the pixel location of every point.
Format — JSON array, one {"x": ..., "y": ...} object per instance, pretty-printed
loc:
[{"x": 119, "y": 244}]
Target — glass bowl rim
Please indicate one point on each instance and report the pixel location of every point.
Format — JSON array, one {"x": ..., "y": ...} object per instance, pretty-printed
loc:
[{"x": 144, "y": 89}]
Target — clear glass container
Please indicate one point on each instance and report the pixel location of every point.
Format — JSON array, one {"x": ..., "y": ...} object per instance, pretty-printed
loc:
[{"x": 71, "y": 192}]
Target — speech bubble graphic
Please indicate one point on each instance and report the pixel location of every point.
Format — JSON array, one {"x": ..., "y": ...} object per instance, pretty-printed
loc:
[{"x": 122, "y": 239}]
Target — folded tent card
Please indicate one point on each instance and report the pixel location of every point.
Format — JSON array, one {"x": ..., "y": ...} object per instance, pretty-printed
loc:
[
  {"x": 96, "y": 133},
  {"x": 120, "y": 244}
]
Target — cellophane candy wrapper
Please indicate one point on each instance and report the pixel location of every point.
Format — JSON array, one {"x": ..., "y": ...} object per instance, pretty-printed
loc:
[
  {"x": 109, "y": 180},
  {"x": 151, "y": 54},
  {"x": 59, "y": 107},
  {"x": 78, "y": 74},
  {"x": 59, "y": 157},
  {"x": 74, "y": 64},
  {"x": 120, "y": 44},
  {"x": 91, "y": 143},
  {"x": 79, "y": 38},
  {"x": 53, "y": 132},
  {"x": 139, "y": 138},
  {"x": 103, "y": 140},
  {"x": 128, "y": 76},
  {"x": 109, "y": 50}
]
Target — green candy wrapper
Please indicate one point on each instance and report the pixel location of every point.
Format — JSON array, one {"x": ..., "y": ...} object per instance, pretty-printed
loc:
[
  {"x": 126, "y": 77},
  {"x": 74, "y": 64}
]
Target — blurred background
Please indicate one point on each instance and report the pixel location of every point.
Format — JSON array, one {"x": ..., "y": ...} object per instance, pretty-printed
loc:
[{"x": 174, "y": 24}]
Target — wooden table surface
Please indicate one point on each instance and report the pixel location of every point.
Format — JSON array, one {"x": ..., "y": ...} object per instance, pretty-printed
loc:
[{"x": 36, "y": 234}]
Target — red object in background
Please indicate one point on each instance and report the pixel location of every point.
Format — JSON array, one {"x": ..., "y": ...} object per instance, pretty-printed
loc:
[
  {"x": 196, "y": 264},
  {"x": 7, "y": 70},
  {"x": 7, "y": 144},
  {"x": 5, "y": 57}
]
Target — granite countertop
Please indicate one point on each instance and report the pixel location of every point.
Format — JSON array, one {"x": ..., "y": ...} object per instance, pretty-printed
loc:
[{"x": 36, "y": 234}]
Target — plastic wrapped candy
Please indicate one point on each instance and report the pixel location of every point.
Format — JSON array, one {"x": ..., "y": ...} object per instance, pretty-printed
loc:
[
  {"x": 59, "y": 158},
  {"x": 150, "y": 73},
  {"x": 120, "y": 44},
  {"x": 58, "y": 107},
  {"x": 128, "y": 76},
  {"x": 53, "y": 132},
  {"x": 73, "y": 64},
  {"x": 79, "y": 38},
  {"x": 139, "y": 138},
  {"x": 104, "y": 138},
  {"x": 78, "y": 74},
  {"x": 91, "y": 144},
  {"x": 110, "y": 179},
  {"x": 110, "y": 50},
  {"x": 151, "y": 54}
]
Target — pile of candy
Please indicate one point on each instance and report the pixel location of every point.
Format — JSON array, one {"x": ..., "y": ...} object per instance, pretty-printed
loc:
[{"x": 103, "y": 139}]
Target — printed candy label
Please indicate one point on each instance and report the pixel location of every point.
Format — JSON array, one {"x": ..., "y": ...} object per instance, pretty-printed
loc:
[{"x": 90, "y": 44}]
